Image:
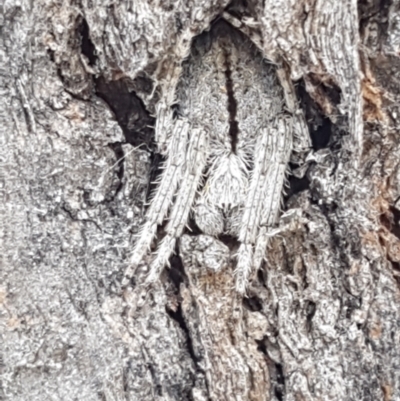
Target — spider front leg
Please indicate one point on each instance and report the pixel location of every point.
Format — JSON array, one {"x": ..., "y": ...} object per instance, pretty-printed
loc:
[
  {"x": 163, "y": 198},
  {"x": 195, "y": 161},
  {"x": 263, "y": 199}
]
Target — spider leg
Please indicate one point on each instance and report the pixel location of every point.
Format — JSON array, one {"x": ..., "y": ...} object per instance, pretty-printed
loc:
[
  {"x": 246, "y": 25},
  {"x": 273, "y": 201},
  {"x": 163, "y": 198},
  {"x": 195, "y": 162},
  {"x": 163, "y": 121},
  {"x": 264, "y": 195}
]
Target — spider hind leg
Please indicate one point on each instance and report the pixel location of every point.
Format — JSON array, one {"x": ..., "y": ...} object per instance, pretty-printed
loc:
[{"x": 264, "y": 196}]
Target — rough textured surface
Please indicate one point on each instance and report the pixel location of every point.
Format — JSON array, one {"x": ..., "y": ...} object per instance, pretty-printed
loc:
[{"x": 80, "y": 82}]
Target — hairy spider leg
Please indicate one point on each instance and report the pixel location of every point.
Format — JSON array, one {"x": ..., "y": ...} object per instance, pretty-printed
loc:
[
  {"x": 163, "y": 121},
  {"x": 266, "y": 150},
  {"x": 196, "y": 157},
  {"x": 163, "y": 198},
  {"x": 263, "y": 198},
  {"x": 247, "y": 26},
  {"x": 171, "y": 71},
  {"x": 272, "y": 204}
]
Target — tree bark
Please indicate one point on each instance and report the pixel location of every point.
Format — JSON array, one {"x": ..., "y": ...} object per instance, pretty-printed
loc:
[{"x": 80, "y": 82}]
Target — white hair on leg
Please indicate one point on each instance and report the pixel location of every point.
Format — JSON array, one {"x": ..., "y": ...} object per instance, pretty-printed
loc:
[
  {"x": 194, "y": 164},
  {"x": 159, "y": 206},
  {"x": 264, "y": 195}
]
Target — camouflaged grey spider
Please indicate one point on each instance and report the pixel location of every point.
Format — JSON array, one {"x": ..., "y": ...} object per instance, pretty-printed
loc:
[{"x": 227, "y": 152}]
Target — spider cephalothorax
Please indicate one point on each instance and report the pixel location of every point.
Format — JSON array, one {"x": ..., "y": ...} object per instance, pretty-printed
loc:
[{"x": 227, "y": 150}]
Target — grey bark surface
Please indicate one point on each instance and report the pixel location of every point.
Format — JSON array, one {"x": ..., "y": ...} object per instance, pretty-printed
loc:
[{"x": 79, "y": 85}]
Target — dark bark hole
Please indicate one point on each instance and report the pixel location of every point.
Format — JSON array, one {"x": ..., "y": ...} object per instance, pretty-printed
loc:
[
  {"x": 230, "y": 241},
  {"x": 296, "y": 184},
  {"x": 279, "y": 389},
  {"x": 50, "y": 52},
  {"x": 277, "y": 377},
  {"x": 396, "y": 221},
  {"x": 390, "y": 220},
  {"x": 176, "y": 272},
  {"x": 321, "y": 136},
  {"x": 253, "y": 304},
  {"x": 320, "y": 126},
  {"x": 129, "y": 110},
  {"x": 260, "y": 276},
  {"x": 178, "y": 317},
  {"x": 87, "y": 47},
  {"x": 192, "y": 227},
  {"x": 396, "y": 271},
  {"x": 175, "y": 111},
  {"x": 310, "y": 311},
  {"x": 261, "y": 346}
]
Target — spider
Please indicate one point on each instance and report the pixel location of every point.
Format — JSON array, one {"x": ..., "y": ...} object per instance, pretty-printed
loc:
[{"x": 227, "y": 146}]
